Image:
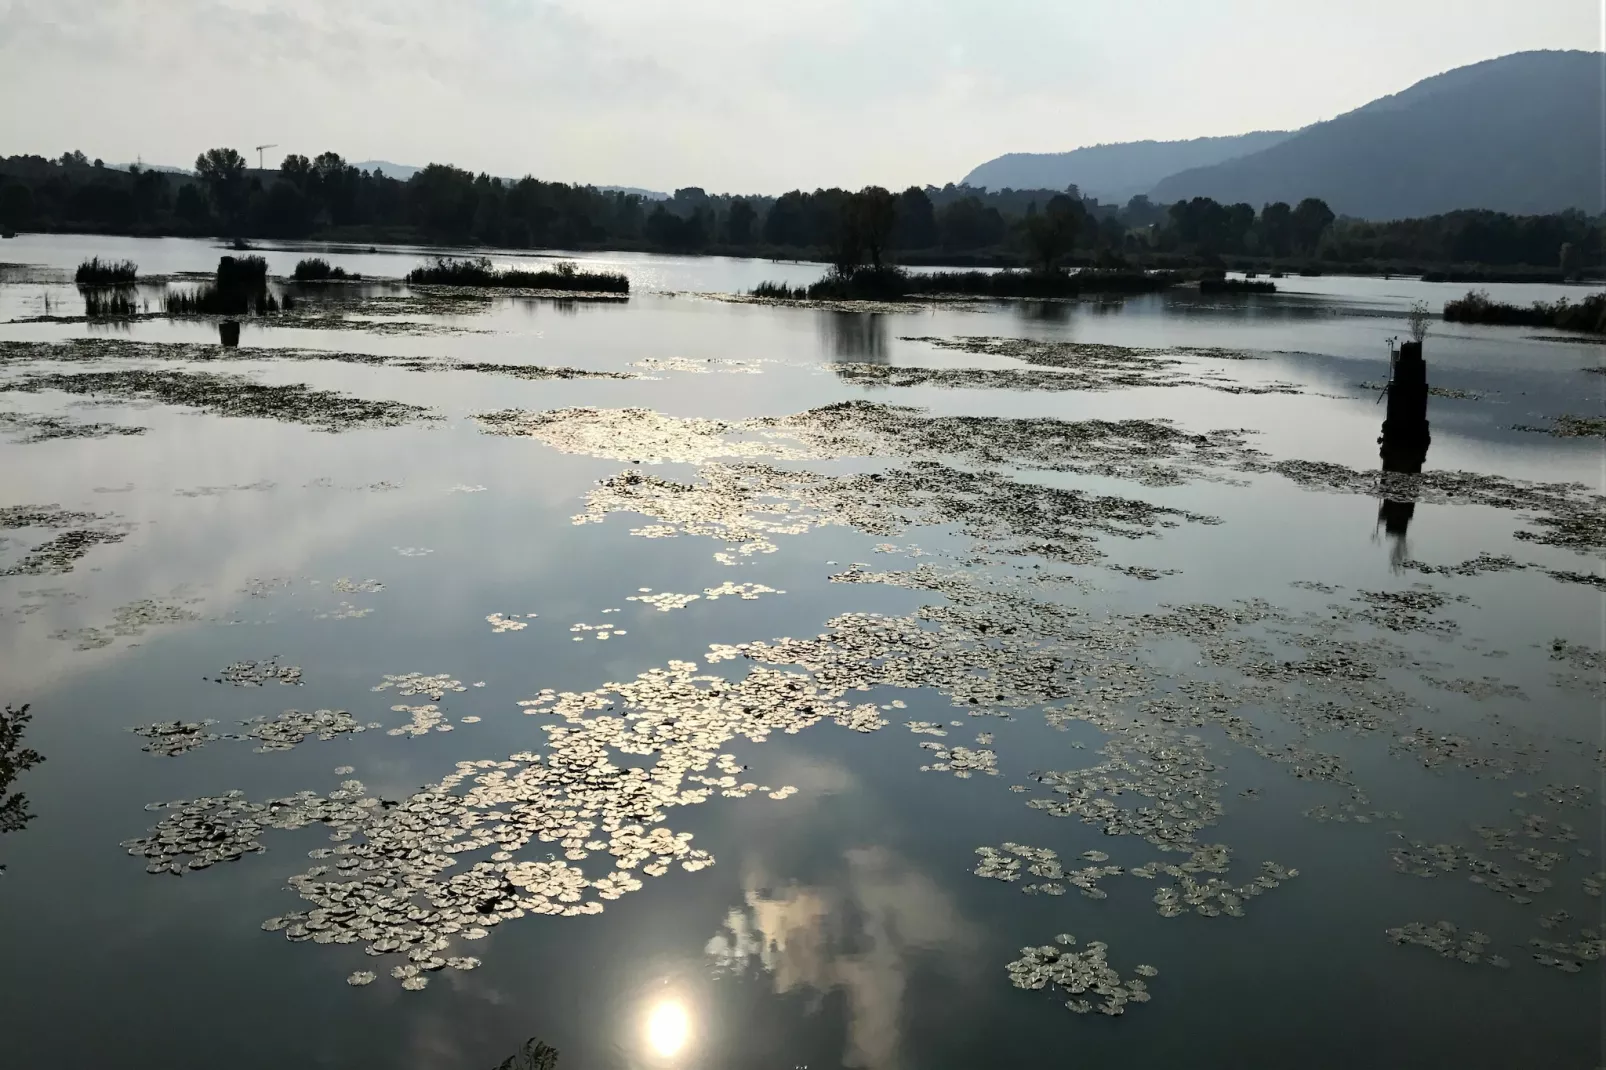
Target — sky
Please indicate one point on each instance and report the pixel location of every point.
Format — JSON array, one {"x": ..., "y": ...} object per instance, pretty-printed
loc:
[{"x": 756, "y": 96}]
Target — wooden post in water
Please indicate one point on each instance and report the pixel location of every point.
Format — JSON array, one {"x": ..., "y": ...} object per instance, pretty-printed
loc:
[{"x": 1407, "y": 420}]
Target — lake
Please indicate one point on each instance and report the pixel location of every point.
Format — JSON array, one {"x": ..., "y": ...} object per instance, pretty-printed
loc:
[{"x": 692, "y": 681}]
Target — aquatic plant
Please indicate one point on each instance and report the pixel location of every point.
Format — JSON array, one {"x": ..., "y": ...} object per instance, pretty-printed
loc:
[
  {"x": 1236, "y": 286},
  {"x": 316, "y": 269},
  {"x": 449, "y": 271},
  {"x": 1476, "y": 307},
  {"x": 98, "y": 272},
  {"x": 780, "y": 291}
]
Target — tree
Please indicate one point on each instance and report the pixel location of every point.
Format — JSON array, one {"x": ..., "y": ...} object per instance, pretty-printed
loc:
[
  {"x": 916, "y": 227},
  {"x": 1276, "y": 228},
  {"x": 787, "y": 222},
  {"x": 1052, "y": 232},
  {"x": 1310, "y": 221},
  {"x": 16, "y": 206},
  {"x": 297, "y": 170},
  {"x": 190, "y": 206},
  {"x": 968, "y": 224},
  {"x": 1142, "y": 212},
  {"x": 739, "y": 222},
  {"x": 223, "y": 172},
  {"x": 74, "y": 157},
  {"x": 876, "y": 211}
]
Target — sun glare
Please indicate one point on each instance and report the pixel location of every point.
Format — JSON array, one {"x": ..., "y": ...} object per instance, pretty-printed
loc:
[{"x": 668, "y": 1028}]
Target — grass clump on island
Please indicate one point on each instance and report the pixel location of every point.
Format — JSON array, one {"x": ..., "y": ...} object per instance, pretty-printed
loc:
[
  {"x": 317, "y": 269},
  {"x": 1476, "y": 307},
  {"x": 1214, "y": 285},
  {"x": 888, "y": 283},
  {"x": 98, "y": 272},
  {"x": 449, "y": 271}
]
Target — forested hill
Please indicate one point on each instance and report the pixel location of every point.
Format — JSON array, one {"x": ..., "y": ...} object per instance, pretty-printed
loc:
[
  {"x": 1519, "y": 134},
  {"x": 1115, "y": 172}
]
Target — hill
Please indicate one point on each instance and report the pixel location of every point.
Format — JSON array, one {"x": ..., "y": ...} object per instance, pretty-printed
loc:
[
  {"x": 1113, "y": 173},
  {"x": 399, "y": 171},
  {"x": 1518, "y": 134}
]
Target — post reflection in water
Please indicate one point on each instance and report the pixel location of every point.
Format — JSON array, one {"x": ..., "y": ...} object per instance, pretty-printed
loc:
[{"x": 855, "y": 337}]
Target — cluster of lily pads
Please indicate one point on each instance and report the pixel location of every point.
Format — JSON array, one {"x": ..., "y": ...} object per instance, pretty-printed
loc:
[{"x": 1078, "y": 973}]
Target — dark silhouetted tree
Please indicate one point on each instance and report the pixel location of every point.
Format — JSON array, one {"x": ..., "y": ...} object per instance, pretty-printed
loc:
[
  {"x": 223, "y": 173},
  {"x": 739, "y": 222},
  {"x": 190, "y": 206},
  {"x": 1051, "y": 233},
  {"x": 1310, "y": 221},
  {"x": 16, "y": 206},
  {"x": 1276, "y": 229},
  {"x": 917, "y": 221},
  {"x": 875, "y": 211}
]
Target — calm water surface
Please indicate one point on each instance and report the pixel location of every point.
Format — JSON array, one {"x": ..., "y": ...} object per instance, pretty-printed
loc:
[{"x": 841, "y": 924}]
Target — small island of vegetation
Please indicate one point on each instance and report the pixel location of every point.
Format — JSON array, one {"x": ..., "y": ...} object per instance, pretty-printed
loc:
[
  {"x": 98, "y": 272},
  {"x": 317, "y": 269},
  {"x": 1476, "y": 307},
  {"x": 450, "y": 271}
]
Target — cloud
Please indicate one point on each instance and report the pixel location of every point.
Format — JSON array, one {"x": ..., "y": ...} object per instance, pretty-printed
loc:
[{"x": 728, "y": 96}]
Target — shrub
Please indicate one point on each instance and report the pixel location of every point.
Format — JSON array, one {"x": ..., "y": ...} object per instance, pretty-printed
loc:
[
  {"x": 317, "y": 269},
  {"x": 242, "y": 272},
  {"x": 96, "y": 271}
]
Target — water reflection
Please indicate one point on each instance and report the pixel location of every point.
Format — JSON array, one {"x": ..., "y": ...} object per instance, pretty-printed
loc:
[
  {"x": 860, "y": 935},
  {"x": 855, "y": 337},
  {"x": 535, "y": 1054},
  {"x": 228, "y": 332},
  {"x": 668, "y": 1028},
  {"x": 14, "y": 758}
]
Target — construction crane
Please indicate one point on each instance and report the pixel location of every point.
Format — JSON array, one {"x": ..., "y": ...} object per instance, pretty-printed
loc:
[{"x": 260, "y": 149}]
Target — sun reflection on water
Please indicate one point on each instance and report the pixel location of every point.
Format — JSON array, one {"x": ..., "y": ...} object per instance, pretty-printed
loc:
[{"x": 668, "y": 1028}]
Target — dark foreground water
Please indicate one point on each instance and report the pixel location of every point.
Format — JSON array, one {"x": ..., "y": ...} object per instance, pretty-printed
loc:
[{"x": 720, "y": 684}]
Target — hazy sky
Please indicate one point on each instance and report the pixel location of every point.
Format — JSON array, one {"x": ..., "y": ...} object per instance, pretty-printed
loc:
[{"x": 752, "y": 96}]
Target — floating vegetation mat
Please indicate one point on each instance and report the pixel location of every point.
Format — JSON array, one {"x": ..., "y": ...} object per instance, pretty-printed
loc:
[
  {"x": 1569, "y": 426},
  {"x": 125, "y": 351},
  {"x": 701, "y": 367},
  {"x": 131, "y": 620},
  {"x": 1435, "y": 391},
  {"x": 34, "y": 428},
  {"x": 1444, "y": 938},
  {"x": 57, "y": 555},
  {"x": 1149, "y": 451},
  {"x": 257, "y": 673},
  {"x": 1081, "y": 366},
  {"x": 231, "y": 395},
  {"x": 1080, "y": 973}
]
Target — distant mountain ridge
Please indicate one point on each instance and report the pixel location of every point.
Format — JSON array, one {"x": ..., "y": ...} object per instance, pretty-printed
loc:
[
  {"x": 1520, "y": 134},
  {"x": 1117, "y": 171}
]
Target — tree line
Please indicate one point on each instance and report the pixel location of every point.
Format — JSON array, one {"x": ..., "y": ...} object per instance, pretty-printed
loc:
[{"x": 327, "y": 198}]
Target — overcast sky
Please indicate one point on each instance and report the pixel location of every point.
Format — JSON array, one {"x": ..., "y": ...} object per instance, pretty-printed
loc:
[{"x": 754, "y": 96}]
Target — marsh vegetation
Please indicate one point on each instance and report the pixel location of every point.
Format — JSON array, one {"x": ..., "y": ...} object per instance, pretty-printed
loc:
[{"x": 479, "y": 272}]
